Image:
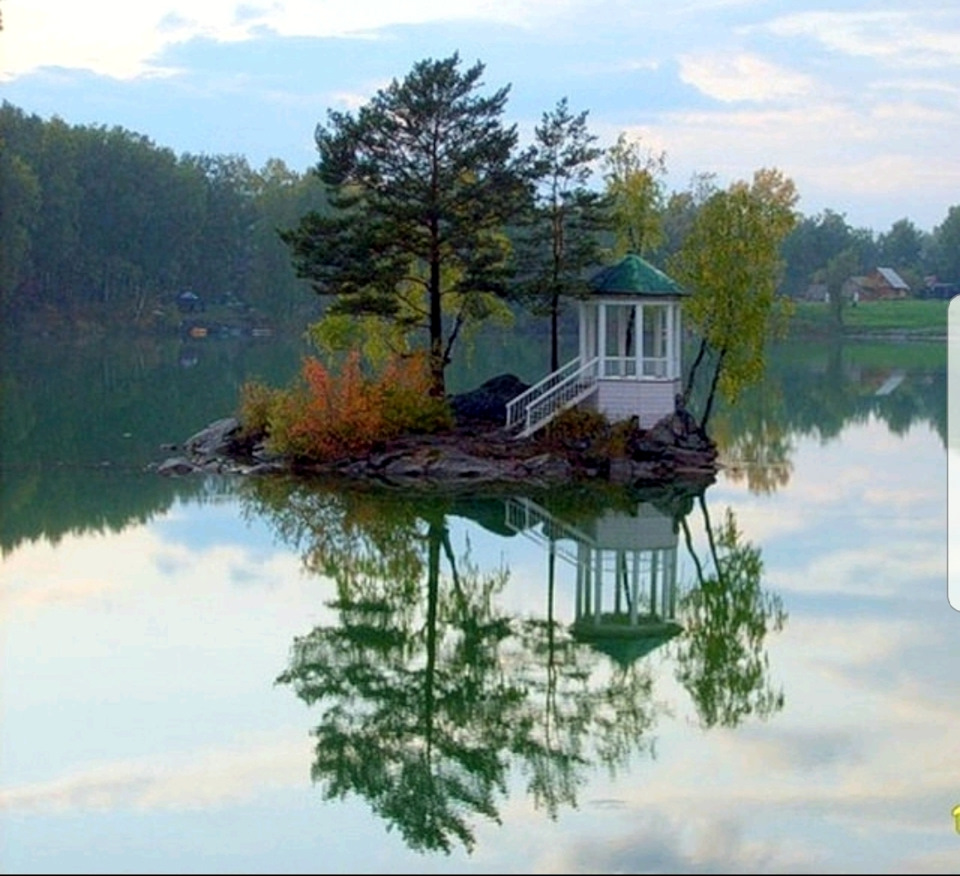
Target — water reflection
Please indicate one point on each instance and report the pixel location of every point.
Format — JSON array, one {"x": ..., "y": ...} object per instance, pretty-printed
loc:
[
  {"x": 432, "y": 694},
  {"x": 76, "y": 420},
  {"x": 722, "y": 660},
  {"x": 816, "y": 390}
]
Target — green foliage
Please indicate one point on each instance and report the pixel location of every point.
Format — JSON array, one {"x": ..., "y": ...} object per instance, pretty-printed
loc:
[
  {"x": 634, "y": 178},
  {"x": 576, "y": 425},
  {"x": 723, "y": 661},
  {"x": 591, "y": 432},
  {"x": 256, "y": 408},
  {"x": 839, "y": 269},
  {"x": 100, "y": 221},
  {"x": 731, "y": 262},
  {"x": 421, "y": 180},
  {"x": 910, "y": 316},
  {"x": 945, "y": 247},
  {"x": 560, "y": 239}
]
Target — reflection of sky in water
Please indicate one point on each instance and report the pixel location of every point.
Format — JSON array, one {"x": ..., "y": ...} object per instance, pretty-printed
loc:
[{"x": 141, "y": 728}]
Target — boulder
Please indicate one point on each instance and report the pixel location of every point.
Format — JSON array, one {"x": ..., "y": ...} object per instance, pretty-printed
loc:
[
  {"x": 177, "y": 465},
  {"x": 488, "y": 402},
  {"x": 217, "y": 439}
]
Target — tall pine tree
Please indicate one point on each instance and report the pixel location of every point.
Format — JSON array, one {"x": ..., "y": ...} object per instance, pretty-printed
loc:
[{"x": 422, "y": 180}]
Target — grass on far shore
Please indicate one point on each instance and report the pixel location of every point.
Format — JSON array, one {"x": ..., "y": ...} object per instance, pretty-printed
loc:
[{"x": 909, "y": 316}]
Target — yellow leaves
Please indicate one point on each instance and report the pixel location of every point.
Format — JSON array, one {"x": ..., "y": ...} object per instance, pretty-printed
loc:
[
  {"x": 635, "y": 185},
  {"x": 731, "y": 262}
]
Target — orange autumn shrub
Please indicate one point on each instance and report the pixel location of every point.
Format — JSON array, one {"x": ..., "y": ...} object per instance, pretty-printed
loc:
[{"x": 335, "y": 415}]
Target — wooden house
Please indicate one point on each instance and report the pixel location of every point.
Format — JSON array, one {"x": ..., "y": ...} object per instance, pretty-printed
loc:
[{"x": 879, "y": 285}]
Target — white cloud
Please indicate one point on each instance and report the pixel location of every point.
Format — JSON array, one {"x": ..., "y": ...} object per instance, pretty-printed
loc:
[
  {"x": 125, "y": 40},
  {"x": 907, "y": 39},
  {"x": 741, "y": 77}
]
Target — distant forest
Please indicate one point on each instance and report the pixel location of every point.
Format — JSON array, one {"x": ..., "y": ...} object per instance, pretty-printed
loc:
[{"x": 101, "y": 223}]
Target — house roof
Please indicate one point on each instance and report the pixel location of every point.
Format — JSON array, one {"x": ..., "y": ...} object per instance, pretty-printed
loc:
[
  {"x": 893, "y": 278},
  {"x": 633, "y": 276}
]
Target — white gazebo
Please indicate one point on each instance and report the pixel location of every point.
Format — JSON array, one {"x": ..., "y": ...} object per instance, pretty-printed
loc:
[{"x": 628, "y": 363}]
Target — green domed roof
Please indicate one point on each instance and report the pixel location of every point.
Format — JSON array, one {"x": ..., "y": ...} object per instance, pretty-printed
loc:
[{"x": 633, "y": 276}]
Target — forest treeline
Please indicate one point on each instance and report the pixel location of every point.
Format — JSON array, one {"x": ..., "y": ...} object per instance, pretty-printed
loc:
[{"x": 100, "y": 222}]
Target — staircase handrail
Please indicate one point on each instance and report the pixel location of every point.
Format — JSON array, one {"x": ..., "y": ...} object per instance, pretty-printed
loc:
[
  {"x": 541, "y": 386},
  {"x": 549, "y": 394},
  {"x": 517, "y": 407}
]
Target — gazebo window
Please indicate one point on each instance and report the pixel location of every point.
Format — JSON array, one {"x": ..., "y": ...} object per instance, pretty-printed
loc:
[
  {"x": 656, "y": 335},
  {"x": 620, "y": 347}
]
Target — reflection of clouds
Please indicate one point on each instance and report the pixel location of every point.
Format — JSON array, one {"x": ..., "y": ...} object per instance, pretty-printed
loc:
[
  {"x": 86, "y": 569},
  {"x": 802, "y": 750},
  {"x": 944, "y": 861},
  {"x": 683, "y": 842},
  {"x": 197, "y": 781},
  {"x": 847, "y": 642},
  {"x": 874, "y": 571}
]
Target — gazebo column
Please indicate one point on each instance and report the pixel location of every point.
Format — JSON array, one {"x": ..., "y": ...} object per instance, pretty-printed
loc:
[
  {"x": 638, "y": 339},
  {"x": 602, "y": 338},
  {"x": 671, "y": 353}
]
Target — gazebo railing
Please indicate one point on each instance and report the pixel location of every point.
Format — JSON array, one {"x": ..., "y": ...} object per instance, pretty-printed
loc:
[{"x": 565, "y": 387}]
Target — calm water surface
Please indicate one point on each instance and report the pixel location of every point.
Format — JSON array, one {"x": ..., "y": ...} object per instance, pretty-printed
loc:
[{"x": 271, "y": 676}]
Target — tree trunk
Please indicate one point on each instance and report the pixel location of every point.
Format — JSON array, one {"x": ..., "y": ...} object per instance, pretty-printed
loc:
[
  {"x": 693, "y": 371},
  {"x": 554, "y": 334},
  {"x": 437, "y": 386},
  {"x": 713, "y": 390}
]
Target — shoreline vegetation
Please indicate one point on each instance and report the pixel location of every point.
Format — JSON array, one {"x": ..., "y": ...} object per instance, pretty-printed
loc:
[{"x": 896, "y": 320}]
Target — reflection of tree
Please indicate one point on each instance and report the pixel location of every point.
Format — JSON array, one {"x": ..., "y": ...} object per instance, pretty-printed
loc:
[
  {"x": 80, "y": 421},
  {"x": 818, "y": 390},
  {"x": 754, "y": 440},
  {"x": 418, "y": 716},
  {"x": 722, "y": 661},
  {"x": 430, "y": 693}
]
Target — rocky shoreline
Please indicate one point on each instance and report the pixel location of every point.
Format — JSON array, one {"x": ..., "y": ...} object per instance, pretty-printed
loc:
[{"x": 476, "y": 452}]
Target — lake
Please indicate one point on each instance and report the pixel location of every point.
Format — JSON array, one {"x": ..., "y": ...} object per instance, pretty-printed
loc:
[{"x": 265, "y": 675}]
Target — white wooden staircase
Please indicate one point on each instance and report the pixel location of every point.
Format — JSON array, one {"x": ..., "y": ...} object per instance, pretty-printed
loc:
[{"x": 564, "y": 388}]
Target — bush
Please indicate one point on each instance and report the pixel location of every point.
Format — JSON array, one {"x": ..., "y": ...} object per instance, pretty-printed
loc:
[
  {"x": 328, "y": 416},
  {"x": 577, "y": 426},
  {"x": 255, "y": 411}
]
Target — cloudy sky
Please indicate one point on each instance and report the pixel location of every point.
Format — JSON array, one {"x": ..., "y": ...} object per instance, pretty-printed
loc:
[{"x": 858, "y": 102}]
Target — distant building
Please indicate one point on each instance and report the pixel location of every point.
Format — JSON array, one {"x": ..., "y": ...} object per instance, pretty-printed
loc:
[
  {"x": 934, "y": 288},
  {"x": 189, "y": 302},
  {"x": 879, "y": 284}
]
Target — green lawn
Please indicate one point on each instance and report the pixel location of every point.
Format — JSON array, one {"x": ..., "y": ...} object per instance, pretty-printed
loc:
[{"x": 909, "y": 315}]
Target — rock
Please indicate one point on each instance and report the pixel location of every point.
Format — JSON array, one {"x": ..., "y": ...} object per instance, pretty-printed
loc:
[
  {"x": 621, "y": 471},
  {"x": 177, "y": 465},
  {"x": 548, "y": 467},
  {"x": 217, "y": 439},
  {"x": 488, "y": 402}
]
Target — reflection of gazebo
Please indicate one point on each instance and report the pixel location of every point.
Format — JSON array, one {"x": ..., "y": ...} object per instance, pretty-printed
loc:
[{"x": 626, "y": 565}]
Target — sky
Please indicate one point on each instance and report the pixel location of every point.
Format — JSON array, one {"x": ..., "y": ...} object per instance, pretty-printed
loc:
[{"x": 857, "y": 102}]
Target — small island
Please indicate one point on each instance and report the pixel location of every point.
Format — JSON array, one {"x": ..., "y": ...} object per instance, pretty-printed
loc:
[{"x": 477, "y": 451}]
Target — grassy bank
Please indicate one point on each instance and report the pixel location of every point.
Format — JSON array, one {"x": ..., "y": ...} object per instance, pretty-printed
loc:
[{"x": 906, "y": 318}]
